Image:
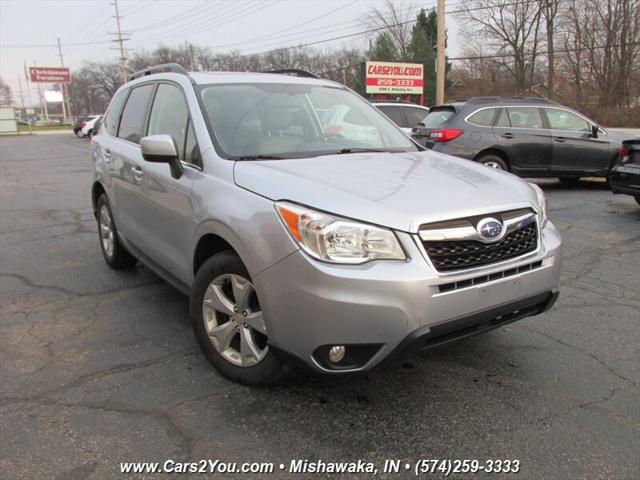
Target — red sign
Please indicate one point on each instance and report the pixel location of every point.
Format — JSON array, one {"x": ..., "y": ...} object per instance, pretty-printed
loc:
[
  {"x": 394, "y": 78},
  {"x": 49, "y": 75}
]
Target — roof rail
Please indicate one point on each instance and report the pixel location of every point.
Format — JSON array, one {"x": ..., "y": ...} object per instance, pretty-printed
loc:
[
  {"x": 165, "y": 67},
  {"x": 507, "y": 99},
  {"x": 484, "y": 99},
  {"x": 296, "y": 72}
]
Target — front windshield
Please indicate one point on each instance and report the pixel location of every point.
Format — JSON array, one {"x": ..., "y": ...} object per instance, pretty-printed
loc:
[{"x": 266, "y": 120}]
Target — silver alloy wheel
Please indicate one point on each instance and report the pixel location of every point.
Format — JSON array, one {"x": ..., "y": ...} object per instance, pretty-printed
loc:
[
  {"x": 493, "y": 164},
  {"x": 234, "y": 321},
  {"x": 106, "y": 231}
]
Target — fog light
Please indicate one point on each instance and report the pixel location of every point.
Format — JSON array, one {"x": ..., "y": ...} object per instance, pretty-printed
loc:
[{"x": 336, "y": 353}]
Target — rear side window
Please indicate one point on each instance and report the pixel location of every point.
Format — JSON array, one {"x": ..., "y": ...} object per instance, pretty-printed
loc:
[
  {"x": 414, "y": 115},
  {"x": 393, "y": 113},
  {"x": 525, "y": 117},
  {"x": 135, "y": 114},
  {"x": 113, "y": 114},
  {"x": 438, "y": 118},
  {"x": 483, "y": 117},
  {"x": 170, "y": 115}
]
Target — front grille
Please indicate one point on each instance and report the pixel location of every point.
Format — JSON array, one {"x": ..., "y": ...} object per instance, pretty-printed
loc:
[{"x": 449, "y": 255}]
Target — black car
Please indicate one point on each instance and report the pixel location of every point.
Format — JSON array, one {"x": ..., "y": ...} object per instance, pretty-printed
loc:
[
  {"x": 528, "y": 136},
  {"x": 77, "y": 126},
  {"x": 625, "y": 173}
]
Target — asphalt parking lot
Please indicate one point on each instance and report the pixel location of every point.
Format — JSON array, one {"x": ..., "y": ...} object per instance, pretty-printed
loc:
[{"x": 99, "y": 367}]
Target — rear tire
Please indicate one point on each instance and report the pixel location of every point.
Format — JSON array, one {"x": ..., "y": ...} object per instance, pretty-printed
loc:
[
  {"x": 494, "y": 161},
  {"x": 637, "y": 197},
  {"x": 114, "y": 253},
  {"x": 228, "y": 322}
]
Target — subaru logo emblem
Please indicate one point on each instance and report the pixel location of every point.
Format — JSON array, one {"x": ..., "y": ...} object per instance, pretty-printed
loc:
[{"x": 490, "y": 229}]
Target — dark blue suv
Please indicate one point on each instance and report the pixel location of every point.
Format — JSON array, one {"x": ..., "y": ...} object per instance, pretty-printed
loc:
[{"x": 528, "y": 137}]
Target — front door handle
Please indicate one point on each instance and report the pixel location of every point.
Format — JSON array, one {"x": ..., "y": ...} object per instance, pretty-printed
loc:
[
  {"x": 560, "y": 139},
  {"x": 137, "y": 173},
  {"x": 507, "y": 135}
]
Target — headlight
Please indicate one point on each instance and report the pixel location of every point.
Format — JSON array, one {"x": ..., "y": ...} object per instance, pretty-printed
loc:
[
  {"x": 542, "y": 205},
  {"x": 338, "y": 240}
]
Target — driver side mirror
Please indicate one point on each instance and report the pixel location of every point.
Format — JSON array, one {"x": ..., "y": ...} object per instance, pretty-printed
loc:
[
  {"x": 162, "y": 149},
  {"x": 594, "y": 131}
]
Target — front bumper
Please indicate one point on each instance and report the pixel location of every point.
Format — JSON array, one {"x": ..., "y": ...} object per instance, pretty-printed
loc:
[{"x": 381, "y": 307}]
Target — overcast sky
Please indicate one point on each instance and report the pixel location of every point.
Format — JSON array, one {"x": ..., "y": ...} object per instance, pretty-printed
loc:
[{"x": 29, "y": 28}]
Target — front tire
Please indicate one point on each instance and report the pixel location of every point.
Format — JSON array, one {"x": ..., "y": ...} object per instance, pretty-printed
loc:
[
  {"x": 229, "y": 324},
  {"x": 494, "y": 161},
  {"x": 114, "y": 253},
  {"x": 637, "y": 197}
]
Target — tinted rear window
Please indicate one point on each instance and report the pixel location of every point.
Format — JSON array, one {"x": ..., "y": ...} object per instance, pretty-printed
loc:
[
  {"x": 438, "y": 118},
  {"x": 393, "y": 113}
]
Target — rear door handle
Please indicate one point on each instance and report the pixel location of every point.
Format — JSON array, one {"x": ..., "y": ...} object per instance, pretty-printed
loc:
[
  {"x": 507, "y": 135},
  {"x": 107, "y": 155},
  {"x": 560, "y": 139}
]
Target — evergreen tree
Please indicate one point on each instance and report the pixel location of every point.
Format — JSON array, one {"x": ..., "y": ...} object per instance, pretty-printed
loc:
[
  {"x": 384, "y": 50},
  {"x": 423, "y": 49}
]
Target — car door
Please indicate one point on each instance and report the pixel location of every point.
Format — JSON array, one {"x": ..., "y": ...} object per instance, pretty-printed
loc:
[
  {"x": 521, "y": 132},
  {"x": 575, "y": 149},
  {"x": 124, "y": 159},
  {"x": 166, "y": 211}
]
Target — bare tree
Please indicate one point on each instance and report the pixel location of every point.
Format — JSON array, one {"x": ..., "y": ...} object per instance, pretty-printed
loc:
[
  {"x": 508, "y": 26},
  {"x": 396, "y": 21},
  {"x": 5, "y": 94},
  {"x": 550, "y": 9},
  {"x": 605, "y": 40}
]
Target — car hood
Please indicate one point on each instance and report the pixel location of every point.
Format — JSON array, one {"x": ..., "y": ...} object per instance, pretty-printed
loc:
[{"x": 395, "y": 190}]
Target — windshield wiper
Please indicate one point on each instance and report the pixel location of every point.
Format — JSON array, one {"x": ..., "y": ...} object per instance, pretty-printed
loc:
[
  {"x": 359, "y": 149},
  {"x": 262, "y": 157}
]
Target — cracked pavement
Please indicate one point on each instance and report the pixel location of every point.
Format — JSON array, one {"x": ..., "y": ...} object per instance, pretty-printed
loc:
[{"x": 99, "y": 367}]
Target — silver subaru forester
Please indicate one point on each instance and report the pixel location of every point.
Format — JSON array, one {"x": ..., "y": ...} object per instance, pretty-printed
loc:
[{"x": 335, "y": 244}]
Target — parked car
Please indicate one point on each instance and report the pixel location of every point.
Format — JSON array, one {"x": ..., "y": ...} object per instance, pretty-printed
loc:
[
  {"x": 77, "y": 126},
  {"x": 405, "y": 115},
  {"x": 96, "y": 127},
  {"x": 89, "y": 125},
  {"x": 625, "y": 173},
  {"x": 528, "y": 137},
  {"x": 298, "y": 244}
]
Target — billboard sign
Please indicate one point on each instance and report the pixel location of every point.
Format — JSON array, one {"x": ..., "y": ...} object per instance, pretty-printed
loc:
[
  {"x": 49, "y": 75},
  {"x": 394, "y": 78},
  {"x": 53, "y": 96}
]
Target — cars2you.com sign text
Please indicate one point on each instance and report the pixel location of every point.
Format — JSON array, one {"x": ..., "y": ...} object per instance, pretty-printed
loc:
[{"x": 388, "y": 77}]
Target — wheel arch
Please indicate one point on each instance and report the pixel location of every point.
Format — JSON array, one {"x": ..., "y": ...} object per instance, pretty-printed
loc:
[
  {"x": 494, "y": 151},
  {"x": 208, "y": 245},
  {"x": 96, "y": 190}
]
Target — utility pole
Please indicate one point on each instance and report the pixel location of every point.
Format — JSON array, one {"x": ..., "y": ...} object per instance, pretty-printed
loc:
[
  {"x": 120, "y": 40},
  {"x": 21, "y": 94},
  {"x": 192, "y": 59},
  {"x": 43, "y": 101},
  {"x": 441, "y": 66},
  {"x": 26, "y": 79},
  {"x": 66, "y": 109}
]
